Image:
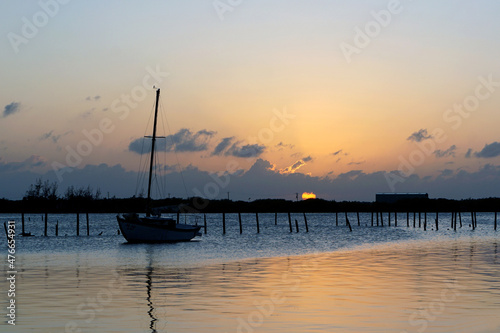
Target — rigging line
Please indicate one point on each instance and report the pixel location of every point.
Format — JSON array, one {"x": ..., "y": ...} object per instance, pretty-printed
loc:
[
  {"x": 141, "y": 175},
  {"x": 177, "y": 159},
  {"x": 163, "y": 171},
  {"x": 159, "y": 189}
]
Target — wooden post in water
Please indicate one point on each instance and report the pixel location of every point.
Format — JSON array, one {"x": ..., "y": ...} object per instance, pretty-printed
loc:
[
  {"x": 348, "y": 223},
  {"x": 377, "y": 218},
  {"x": 290, "y": 222},
  {"x": 452, "y": 217},
  {"x": 297, "y": 225},
  {"x": 178, "y": 217},
  {"x": 6, "y": 231},
  {"x": 305, "y": 221},
  {"x": 437, "y": 221},
  {"x": 88, "y": 228},
  {"x": 205, "y": 222},
  {"x": 78, "y": 224},
  {"x": 46, "y": 218},
  {"x": 22, "y": 221},
  {"x": 475, "y": 218},
  {"x": 381, "y": 220},
  {"x": 372, "y": 219},
  {"x": 241, "y": 226},
  {"x": 425, "y": 221},
  {"x": 460, "y": 218},
  {"x": 257, "y": 219},
  {"x": 389, "y": 221},
  {"x": 407, "y": 219},
  {"x": 472, "y": 219},
  {"x": 455, "y": 222},
  {"x": 395, "y": 219},
  {"x": 57, "y": 228},
  {"x": 223, "y": 223},
  {"x": 357, "y": 215}
]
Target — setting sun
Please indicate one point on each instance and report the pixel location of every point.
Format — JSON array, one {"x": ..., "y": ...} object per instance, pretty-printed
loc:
[{"x": 307, "y": 195}]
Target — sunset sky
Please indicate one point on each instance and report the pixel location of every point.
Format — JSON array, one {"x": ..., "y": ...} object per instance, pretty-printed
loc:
[{"x": 263, "y": 99}]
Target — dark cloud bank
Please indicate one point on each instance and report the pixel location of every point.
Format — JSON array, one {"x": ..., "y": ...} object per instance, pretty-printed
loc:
[{"x": 260, "y": 181}]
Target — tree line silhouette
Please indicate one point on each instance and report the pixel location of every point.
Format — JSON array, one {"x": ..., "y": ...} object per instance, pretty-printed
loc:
[{"x": 42, "y": 197}]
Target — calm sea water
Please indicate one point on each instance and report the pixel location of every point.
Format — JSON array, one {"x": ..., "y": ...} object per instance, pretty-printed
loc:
[{"x": 372, "y": 279}]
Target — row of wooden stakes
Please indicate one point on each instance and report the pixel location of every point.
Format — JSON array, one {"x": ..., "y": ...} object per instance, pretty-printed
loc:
[
  {"x": 377, "y": 219},
  {"x": 455, "y": 216}
]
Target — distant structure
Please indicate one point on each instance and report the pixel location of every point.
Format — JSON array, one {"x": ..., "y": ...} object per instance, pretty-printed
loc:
[{"x": 395, "y": 197}]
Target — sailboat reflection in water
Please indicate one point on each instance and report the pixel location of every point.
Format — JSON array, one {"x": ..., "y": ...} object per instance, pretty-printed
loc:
[{"x": 154, "y": 229}]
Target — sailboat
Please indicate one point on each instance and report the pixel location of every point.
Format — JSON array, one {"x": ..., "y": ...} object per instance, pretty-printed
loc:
[{"x": 154, "y": 229}]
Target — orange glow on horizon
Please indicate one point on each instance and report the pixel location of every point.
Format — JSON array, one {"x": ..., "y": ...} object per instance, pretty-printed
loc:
[{"x": 307, "y": 195}]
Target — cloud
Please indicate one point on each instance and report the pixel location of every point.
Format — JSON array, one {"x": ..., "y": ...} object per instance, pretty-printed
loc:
[
  {"x": 463, "y": 184},
  {"x": 445, "y": 153},
  {"x": 45, "y": 136},
  {"x": 185, "y": 141},
  {"x": 419, "y": 136},
  {"x": 34, "y": 161},
  {"x": 469, "y": 153},
  {"x": 282, "y": 146},
  {"x": 223, "y": 145},
  {"x": 339, "y": 153},
  {"x": 489, "y": 151},
  {"x": 50, "y": 135},
  {"x": 245, "y": 151},
  {"x": 87, "y": 114},
  {"x": 182, "y": 141},
  {"x": 351, "y": 175},
  {"x": 296, "y": 166},
  {"x": 11, "y": 109},
  {"x": 262, "y": 180},
  {"x": 95, "y": 98},
  {"x": 446, "y": 173}
]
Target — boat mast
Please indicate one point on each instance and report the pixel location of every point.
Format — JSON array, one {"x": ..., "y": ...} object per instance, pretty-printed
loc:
[{"x": 151, "y": 162}]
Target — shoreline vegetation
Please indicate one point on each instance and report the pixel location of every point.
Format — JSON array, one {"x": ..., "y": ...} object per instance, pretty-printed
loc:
[{"x": 42, "y": 197}]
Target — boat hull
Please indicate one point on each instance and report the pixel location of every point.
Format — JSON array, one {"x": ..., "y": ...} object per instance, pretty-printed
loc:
[{"x": 155, "y": 230}]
